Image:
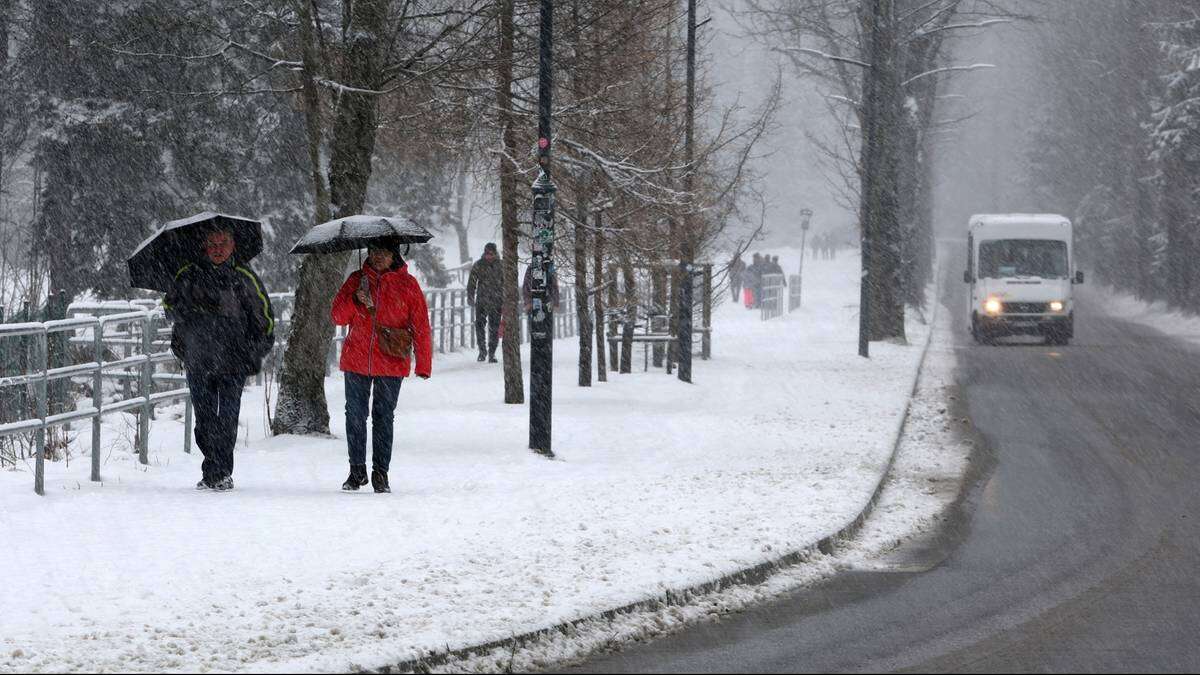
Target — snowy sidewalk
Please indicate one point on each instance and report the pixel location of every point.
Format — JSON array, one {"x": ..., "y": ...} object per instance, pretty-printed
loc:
[{"x": 660, "y": 485}]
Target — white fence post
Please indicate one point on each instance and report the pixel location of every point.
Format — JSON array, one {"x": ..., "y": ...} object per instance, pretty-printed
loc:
[
  {"x": 97, "y": 395},
  {"x": 39, "y": 477},
  {"x": 144, "y": 389}
]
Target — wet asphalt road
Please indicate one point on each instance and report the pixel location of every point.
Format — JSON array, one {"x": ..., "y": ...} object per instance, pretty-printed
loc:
[{"x": 1077, "y": 549}]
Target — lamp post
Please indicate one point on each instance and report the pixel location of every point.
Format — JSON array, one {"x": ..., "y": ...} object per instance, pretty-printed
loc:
[
  {"x": 541, "y": 312},
  {"x": 805, "y": 220}
]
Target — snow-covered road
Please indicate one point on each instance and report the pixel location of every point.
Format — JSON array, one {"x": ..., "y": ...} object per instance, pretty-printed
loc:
[{"x": 659, "y": 485}]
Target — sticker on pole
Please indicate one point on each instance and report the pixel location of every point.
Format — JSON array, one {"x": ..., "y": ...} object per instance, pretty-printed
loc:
[
  {"x": 545, "y": 236},
  {"x": 543, "y": 143}
]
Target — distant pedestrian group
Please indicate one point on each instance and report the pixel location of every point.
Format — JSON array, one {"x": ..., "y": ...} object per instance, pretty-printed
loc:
[
  {"x": 825, "y": 246},
  {"x": 748, "y": 280}
]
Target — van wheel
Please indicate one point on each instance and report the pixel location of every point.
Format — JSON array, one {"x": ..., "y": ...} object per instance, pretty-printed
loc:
[{"x": 979, "y": 335}]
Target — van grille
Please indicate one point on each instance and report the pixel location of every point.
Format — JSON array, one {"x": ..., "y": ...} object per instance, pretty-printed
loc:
[{"x": 1025, "y": 308}]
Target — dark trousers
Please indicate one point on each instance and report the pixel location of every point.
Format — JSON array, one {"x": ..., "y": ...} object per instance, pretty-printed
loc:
[
  {"x": 489, "y": 316},
  {"x": 217, "y": 401},
  {"x": 383, "y": 414}
]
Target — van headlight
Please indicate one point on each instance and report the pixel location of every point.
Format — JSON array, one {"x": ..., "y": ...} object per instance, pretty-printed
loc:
[
  {"x": 993, "y": 306},
  {"x": 1057, "y": 305}
]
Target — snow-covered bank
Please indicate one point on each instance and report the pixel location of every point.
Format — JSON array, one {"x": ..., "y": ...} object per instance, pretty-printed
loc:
[
  {"x": 660, "y": 485},
  {"x": 1157, "y": 315}
]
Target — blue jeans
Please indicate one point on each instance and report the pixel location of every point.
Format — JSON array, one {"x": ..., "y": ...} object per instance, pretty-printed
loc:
[{"x": 383, "y": 413}]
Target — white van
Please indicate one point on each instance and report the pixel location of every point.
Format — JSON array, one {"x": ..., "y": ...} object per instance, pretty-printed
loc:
[{"x": 1021, "y": 268}]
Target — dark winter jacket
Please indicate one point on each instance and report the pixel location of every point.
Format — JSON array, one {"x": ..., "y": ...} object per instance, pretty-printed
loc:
[
  {"x": 399, "y": 303},
  {"x": 485, "y": 286},
  {"x": 224, "y": 324},
  {"x": 752, "y": 275},
  {"x": 736, "y": 268}
]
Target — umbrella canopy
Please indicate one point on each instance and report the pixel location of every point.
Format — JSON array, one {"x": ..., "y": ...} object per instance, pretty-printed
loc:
[
  {"x": 355, "y": 232},
  {"x": 156, "y": 261}
]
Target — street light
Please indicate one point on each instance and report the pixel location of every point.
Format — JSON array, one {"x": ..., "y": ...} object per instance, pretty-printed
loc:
[{"x": 805, "y": 220}]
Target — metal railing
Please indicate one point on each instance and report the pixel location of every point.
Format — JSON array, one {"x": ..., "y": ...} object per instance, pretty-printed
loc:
[
  {"x": 451, "y": 321},
  {"x": 771, "y": 305},
  {"x": 139, "y": 333},
  {"x": 129, "y": 340}
]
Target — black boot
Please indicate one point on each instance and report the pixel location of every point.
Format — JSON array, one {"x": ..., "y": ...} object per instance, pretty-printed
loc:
[
  {"x": 492, "y": 358},
  {"x": 482, "y": 356},
  {"x": 379, "y": 481},
  {"x": 358, "y": 477}
]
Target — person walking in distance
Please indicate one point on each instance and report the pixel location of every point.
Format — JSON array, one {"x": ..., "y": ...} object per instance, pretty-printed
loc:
[
  {"x": 224, "y": 327},
  {"x": 389, "y": 330},
  {"x": 736, "y": 268},
  {"x": 485, "y": 292}
]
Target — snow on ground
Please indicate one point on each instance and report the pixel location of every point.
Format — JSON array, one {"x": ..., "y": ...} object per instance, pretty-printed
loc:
[
  {"x": 659, "y": 485},
  {"x": 1157, "y": 315},
  {"x": 929, "y": 470}
]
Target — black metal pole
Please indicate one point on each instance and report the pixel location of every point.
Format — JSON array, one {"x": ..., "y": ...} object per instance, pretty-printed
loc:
[
  {"x": 541, "y": 273},
  {"x": 688, "y": 237}
]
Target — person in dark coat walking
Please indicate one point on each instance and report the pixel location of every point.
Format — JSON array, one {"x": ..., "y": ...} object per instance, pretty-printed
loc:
[
  {"x": 382, "y": 295},
  {"x": 776, "y": 268},
  {"x": 736, "y": 268},
  {"x": 224, "y": 327},
  {"x": 485, "y": 292}
]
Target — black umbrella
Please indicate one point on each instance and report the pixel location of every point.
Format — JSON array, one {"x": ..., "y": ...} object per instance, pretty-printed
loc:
[
  {"x": 358, "y": 232},
  {"x": 158, "y": 259}
]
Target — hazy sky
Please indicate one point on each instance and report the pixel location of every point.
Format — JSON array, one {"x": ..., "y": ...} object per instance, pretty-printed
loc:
[{"x": 743, "y": 70}]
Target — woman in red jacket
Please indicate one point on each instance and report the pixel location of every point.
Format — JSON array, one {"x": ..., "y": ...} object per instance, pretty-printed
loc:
[{"x": 380, "y": 295}]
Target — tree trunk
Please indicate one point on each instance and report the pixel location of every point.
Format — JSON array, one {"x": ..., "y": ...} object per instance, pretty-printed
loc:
[
  {"x": 302, "y": 408},
  {"x": 630, "y": 314},
  {"x": 460, "y": 215},
  {"x": 514, "y": 388},
  {"x": 582, "y": 313},
  {"x": 598, "y": 294},
  {"x": 881, "y": 229}
]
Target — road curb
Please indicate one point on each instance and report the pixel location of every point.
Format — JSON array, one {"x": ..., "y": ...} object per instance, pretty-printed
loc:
[{"x": 745, "y": 577}]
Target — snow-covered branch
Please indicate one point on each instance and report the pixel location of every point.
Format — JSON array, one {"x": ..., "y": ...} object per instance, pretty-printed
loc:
[
  {"x": 948, "y": 69},
  {"x": 826, "y": 55}
]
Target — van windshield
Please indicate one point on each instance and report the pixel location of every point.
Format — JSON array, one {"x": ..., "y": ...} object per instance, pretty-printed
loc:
[{"x": 1045, "y": 258}]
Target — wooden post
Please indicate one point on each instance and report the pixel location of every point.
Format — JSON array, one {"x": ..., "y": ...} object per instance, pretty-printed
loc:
[
  {"x": 706, "y": 336},
  {"x": 598, "y": 299},
  {"x": 658, "y": 288},
  {"x": 613, "y": 357},
  {"x": 630, "y": 317}
]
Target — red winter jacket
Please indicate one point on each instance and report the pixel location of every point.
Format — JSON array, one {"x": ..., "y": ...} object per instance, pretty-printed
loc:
[{"x": 399, "y": 303}]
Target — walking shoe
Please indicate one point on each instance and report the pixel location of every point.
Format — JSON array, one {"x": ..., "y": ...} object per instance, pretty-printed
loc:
[
  {"x": 357, "y": 479},
  {"x": 203, "y": 485},
  {"x": 492, "y": 359},
  {"x": 223, "y": 485},
  {"x": 379, "y": 481},
  {"x": 482, "y": 356}
]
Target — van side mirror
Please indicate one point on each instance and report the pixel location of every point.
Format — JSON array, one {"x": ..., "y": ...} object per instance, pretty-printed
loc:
[
  {"x": 1079, "y": 277},
  {"x": 967, "y": 277}
]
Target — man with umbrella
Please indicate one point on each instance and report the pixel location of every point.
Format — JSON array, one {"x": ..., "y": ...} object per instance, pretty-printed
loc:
[{"x": 224, "y": 327}]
